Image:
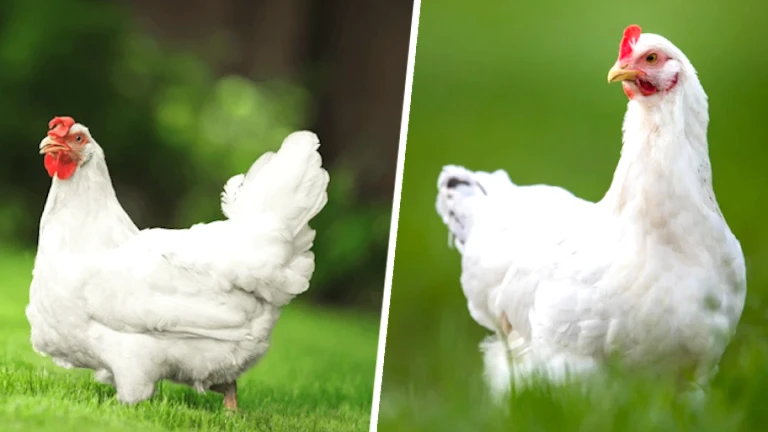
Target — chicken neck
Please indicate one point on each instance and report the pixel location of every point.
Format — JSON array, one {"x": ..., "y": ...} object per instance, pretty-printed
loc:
[
  {"x": 82, "y": 214},
  {"x": 664, "y": 168}
]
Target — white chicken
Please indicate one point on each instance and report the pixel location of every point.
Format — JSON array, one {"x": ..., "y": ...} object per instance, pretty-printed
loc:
[
  {"x": 650, "y": 274},
  {"x": 195, "y": 306}
]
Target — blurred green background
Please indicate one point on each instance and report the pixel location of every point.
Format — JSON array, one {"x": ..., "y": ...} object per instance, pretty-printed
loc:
[
  {"x": 182, "y": 96},
  {"x": 522, "y": 86}
]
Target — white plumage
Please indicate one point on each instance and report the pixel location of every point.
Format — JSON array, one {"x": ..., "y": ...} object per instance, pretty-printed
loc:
[
  {"x": 196, "y": 306},
  {"x": 651, "y": 273}
]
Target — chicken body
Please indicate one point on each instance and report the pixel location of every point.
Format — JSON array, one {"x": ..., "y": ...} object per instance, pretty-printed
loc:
[
  {"x": 650, "y": 274},
  {"x": 196, "y": 306}
]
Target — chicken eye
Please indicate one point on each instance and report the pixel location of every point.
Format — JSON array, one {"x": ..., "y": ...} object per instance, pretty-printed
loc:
[
  {"x": 79, "y": 138},
  {"x": 651, "y": 58}
]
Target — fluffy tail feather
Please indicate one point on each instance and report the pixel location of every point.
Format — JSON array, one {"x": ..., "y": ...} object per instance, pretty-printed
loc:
[
  {"x": 458, "y": 190},
  {"x": 290, "y": 183}
]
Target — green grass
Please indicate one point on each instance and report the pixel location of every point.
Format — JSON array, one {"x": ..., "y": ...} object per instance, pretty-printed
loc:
[
  {"x": 521, "y": 86},
  {"x": 317, "y": 376}
]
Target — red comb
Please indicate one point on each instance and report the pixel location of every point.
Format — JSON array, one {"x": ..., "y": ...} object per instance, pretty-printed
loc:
[
  {"x": 59, "y": 126},
  {"x": 631, "y": 34}
]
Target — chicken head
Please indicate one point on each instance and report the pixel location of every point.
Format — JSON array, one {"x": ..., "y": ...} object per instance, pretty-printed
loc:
[
  {"x": 65, "y": 147},
  {"x": 647, "y": 64}
]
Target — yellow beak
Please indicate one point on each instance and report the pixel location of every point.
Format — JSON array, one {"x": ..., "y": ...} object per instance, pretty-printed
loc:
[
  {"x": 48, "y": 145},
  {"x": 619, "y": 73}
]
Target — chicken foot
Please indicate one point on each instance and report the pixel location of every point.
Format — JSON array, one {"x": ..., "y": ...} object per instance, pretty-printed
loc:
[
  {"x": 506, "y": 327},
  {"x": 229, "y": 391}
]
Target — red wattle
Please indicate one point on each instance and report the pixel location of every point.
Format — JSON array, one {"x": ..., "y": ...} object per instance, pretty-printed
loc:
[
  {"x": 59, "y": 164},
  {"x": 50, "y": 163}
]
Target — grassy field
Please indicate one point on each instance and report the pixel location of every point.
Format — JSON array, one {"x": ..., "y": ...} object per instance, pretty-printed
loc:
[
  {"x": 318, "y": 376},
  {"x": 522, "y": 86}
]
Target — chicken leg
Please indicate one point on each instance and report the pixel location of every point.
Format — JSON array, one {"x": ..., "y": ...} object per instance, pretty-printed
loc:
[{"x": 229, "y": 391}]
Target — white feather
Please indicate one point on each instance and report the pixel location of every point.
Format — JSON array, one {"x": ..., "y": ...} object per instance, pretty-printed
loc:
[
  {"x": 197, "y": 305},
  {"x": 651, "y": 273}
]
